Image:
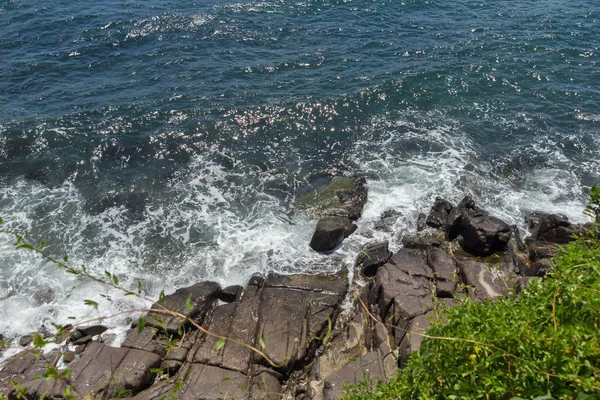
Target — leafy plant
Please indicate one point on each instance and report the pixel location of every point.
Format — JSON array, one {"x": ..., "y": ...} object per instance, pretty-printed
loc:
[{"x": 593, "y": 207}]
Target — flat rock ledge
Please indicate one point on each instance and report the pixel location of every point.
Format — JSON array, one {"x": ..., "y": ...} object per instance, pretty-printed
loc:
[{"x": 297, "y": 321}]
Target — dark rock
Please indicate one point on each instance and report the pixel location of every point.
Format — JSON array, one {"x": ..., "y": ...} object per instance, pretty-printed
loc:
[
  {"x": 421, "y": 222},
  {"x": 92, "y": 330},
  {"x": 25, "y": 340},
  {"x": 329, "y": 283},
  {"x": 170, "y": 367},
  {"x": 231, "y": 293},
  {"x": 484, "y": 235},
  {"x": 552, "y": 228},
  {"x": 439, "y": 213},
  {"x": 423, "y": 240},
  {"x": 466, "y": 208},
  {"x": 68, "y": 357},
  {"x": 539, "y": 268},
  {"x": 330, "y": 232},
  {"x": 82, "y": 340},
  {"x": 372, "y": 257},
  {"x": 387, "y": 220},
  {"x": 203, "y": 296},
  {"x": 257, "y": 279},
  {"x": 540, "y": 251},
  {"x": 105, "y": 369}
]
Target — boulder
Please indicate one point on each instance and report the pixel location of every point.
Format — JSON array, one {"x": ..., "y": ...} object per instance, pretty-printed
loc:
[
  {"x": 331, "y": 232},
  {"x": 466, "y": 208},
  {"x": 439, "y": 213},
  {"x": 373, "y": 256},
  {"x": 484, "y": 235}
]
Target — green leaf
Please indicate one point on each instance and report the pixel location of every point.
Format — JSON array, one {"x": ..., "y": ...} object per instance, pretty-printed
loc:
[
  {"x": 66, "y": 258},
  {"x": 188, "y": 303},
  {"x": 219, "y": 344},
  {"x": 38, "y": 341},
  {"x": 92, "y": 303},
  {"x": 139, "y": 287},
  {"x": 141, "y": 324},
  {"x": 161, "y": 298},
  {"x": 130, "y": 294},
  {"x": 261, "y": 342},
  {"x": 1, "y": 221},
  {"x": 157, "y": 371}
]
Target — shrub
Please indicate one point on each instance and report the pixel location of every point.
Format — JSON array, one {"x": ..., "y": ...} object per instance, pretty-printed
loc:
[{"x": 542, "y": 344}]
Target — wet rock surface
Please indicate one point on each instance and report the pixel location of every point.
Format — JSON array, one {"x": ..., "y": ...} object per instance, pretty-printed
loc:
[{"x": 312, "y": 348}]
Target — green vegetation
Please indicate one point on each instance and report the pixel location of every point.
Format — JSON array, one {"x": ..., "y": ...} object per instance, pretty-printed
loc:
[{"x": 542, "y": 344}]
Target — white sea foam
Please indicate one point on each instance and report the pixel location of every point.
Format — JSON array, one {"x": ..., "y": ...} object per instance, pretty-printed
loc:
[{"x": 221, "y": 223}]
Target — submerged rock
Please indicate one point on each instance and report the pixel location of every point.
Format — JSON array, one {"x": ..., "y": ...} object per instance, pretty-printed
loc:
[{"x": 342, "y": 196}]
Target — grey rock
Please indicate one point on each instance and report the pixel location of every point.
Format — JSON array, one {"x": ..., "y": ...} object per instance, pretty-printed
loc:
[
  {"x": 107, "y": 369},
  {"x": 423, "y": 240},
  {"x": 25, "y": 340},
  {"x": 486, "y": 282},
  {"x": 373, "y": 256},
  {"x": 265, "y": 386},
  {"x": 144, "y": 340},
  {"x": 412, "y": 262},
  {"x": 206, "y": 382},
  {"x": 369, "y": 365},
  {"x": 68, "y": 357},
  {"x": 331, "y": 232},
  {"x": 44, "y": 389}
]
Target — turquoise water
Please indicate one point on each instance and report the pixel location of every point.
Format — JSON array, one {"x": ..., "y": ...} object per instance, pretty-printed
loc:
[{"x": 164, "y": 141}]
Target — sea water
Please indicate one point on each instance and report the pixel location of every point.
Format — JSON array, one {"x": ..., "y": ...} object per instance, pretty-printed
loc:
[{"x": 165, "y": 141}]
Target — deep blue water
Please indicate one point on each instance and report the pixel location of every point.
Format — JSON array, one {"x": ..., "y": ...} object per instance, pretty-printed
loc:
[{"x": 165, "y": 140}]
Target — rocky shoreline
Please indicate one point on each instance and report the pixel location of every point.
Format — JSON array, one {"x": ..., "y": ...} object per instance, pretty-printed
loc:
[{"x": 317, "y": 332}]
